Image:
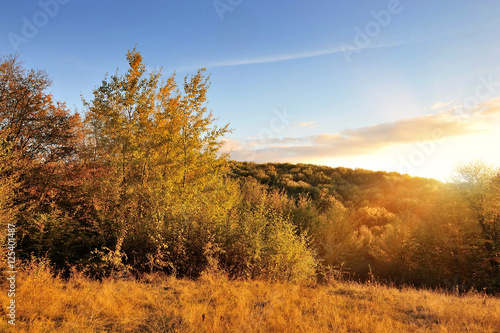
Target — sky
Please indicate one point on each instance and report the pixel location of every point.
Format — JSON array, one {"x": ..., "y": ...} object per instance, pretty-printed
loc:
[{"x": 398, "y": 85}]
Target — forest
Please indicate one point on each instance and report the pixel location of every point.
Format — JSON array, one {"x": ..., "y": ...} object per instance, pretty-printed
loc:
[{"x": 137, "y": 184}]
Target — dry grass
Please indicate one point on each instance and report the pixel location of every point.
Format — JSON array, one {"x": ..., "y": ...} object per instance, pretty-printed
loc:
[{"x": 216, "y": 304}]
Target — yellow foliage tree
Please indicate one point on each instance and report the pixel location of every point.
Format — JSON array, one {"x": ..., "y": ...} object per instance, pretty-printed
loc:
[{"x": 157, "y": 150}]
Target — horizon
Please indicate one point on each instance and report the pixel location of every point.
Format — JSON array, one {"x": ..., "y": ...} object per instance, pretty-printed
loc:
[{"x": 411, "y": 87}]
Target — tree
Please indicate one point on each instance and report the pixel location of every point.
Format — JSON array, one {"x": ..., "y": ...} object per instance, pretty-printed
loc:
[
  {"x": 479, "y": 184},
  {"x": 38, "y": 145},
  {"x": 39, "y": 132},
  {"x": 158, "y": 149},
  {"x": 36, "y": 133},
  {"x": 36, "y": 126}
]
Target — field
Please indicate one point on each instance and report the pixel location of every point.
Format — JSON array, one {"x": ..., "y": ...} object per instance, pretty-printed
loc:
[{"x": 214, "y": 303}]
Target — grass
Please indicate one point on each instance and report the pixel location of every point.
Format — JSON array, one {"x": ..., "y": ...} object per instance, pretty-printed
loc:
[{"x": 217, "y": 304}]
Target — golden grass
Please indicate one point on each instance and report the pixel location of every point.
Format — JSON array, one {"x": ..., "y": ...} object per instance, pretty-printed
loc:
[{"x": 216, "y": 304}]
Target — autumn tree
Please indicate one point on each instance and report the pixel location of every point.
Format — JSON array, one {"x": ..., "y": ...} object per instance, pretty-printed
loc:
[
  {"x": 479, "y": 184},
  {"x": 157, "y": 146},
  {"x": 39, "y": 132},
  {"x": 36, "y": 126},
  {"x": 35, "y": 131},
  {"x": 38, "y": 147}
]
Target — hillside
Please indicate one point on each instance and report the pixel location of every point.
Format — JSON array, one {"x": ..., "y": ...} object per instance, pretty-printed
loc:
[
  {"x": 394, "y": 227},
  {"x": 352, "y": 187}
]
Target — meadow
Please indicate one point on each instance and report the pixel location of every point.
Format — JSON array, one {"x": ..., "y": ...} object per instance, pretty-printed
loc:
[{"x": 214, "y": 303}]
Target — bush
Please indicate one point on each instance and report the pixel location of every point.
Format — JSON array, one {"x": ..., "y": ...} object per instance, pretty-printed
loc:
[{"x": 261, "y": 243}]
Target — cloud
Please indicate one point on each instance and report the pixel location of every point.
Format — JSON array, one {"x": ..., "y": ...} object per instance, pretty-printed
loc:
[
  {"x": 282, "y": 57},
  {"x": 492, "y": 107},
  {"x": 364, "y": 140},
  {"x": 441, "y": 105},
  {"x": 77, "y": 62},
  {"x": 231, "y": 144},
  {"x": 309, "y": 124}
]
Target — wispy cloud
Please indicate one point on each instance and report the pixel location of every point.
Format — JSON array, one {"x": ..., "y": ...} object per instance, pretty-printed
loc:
[
  {"x": 492, "y": 107},
  {"x": 77, "y": 62},
  {"x": 364, "y": 140},
  {"x": 282, "y": 57},
  {"x": 309, "y": 124},
  {"x": 440, "y": 105}
]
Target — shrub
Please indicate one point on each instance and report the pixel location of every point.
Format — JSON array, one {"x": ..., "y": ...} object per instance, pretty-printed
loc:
[{"x": 262, "y": 243}]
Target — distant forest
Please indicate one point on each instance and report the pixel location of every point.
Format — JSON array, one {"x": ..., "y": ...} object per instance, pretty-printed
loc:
[
  {"x": 137, "y": 184},
  {"x": 388, "y": 226}
]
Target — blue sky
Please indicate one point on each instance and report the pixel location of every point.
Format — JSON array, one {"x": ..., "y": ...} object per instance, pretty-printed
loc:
[{"x": 409, "y": 86}]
